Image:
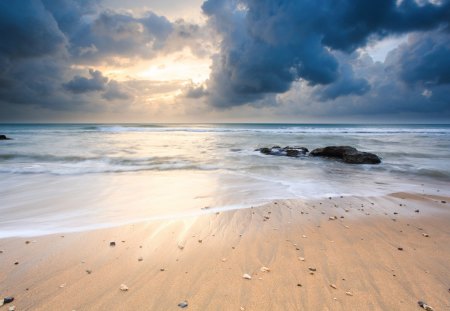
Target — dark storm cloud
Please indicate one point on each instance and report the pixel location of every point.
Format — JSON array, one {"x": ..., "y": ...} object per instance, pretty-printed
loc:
[
  {"x": 79, "y": 85},
  {"x": 267, "y": 45},
  {"x": 27, "y": 29}
]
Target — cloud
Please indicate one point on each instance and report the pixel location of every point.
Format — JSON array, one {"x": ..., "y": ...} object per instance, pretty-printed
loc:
[
  {"x": 268, "y": 45},
  {"x": 79, "y": 85}
]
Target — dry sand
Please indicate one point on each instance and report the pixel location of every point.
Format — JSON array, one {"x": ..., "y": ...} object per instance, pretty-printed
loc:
[{"x": 205, "y": 257}]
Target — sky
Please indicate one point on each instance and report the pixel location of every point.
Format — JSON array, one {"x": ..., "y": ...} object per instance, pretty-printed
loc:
[{"x": 384, "y": 61}]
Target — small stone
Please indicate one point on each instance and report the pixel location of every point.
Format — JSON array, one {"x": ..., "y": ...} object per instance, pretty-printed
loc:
[
  {"x": 425, "y": 235},
  {"x": 301, "y": 258},
  {"x": 180, "y": 246},
  {"x": 88, "y": 271},
  {"x": 242, "y": 308},
  {"x": 299, "y": 285},
  {"x": 443, "y": 202},
  {"x": 304, "y": 236},
  {"x": 312, "y": 269},
  {"x": 16, "y": 263},
  {"x": 224, "y": 259},
  {"x": 333, "y": 286},
  {"x": 247, "y": 276},
  {"x": 425, "y": 306},
  {"x": 8, "y": 299},
  {"x": 332, "y": 218},
  {"x": 140, "y": 259},
  {"x": 200, "y": 241},
  {"x": 162, "y": 269},
  {"x": 183, "y": 304},
  {"x": 112, "y": 243},
  {"x": 12, "y": 308},
  {"x": 264, "y": 269},
  {"x": 349, "y": 293},
  {"x": 62, "y": 285},
  {"x": 400, "y": 248},
  {"x": 27, "y": 242},
  {"x": 416, "y": 211},
  {"x": 123, "y": 287}
]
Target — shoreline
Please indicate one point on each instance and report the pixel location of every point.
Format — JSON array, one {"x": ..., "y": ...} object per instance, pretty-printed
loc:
[{"x": 204, "y": 258}]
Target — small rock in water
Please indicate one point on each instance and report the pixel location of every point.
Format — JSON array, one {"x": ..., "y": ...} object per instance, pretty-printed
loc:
[
  {"x": 123, "y": 287},
  {"x": 247, "y": 276},
  {"x": 8, "y": 299},
  {"x": 333, "y": 286},
  {"x": 112, "y": 243},
  {"x": 349, "y": 293},
  {"x": 183, "y": 304},
  {"x": 265, "y": 269},
  {"x": 425, "y": 306}
]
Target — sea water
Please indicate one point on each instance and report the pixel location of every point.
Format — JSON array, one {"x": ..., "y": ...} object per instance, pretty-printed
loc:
[{"x": 71, "y": 177}]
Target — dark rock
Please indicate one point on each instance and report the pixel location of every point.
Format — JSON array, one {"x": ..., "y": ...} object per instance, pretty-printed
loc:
[
  {"x": 361, "y": 158},
  {"x": 400, "y": 248},
  {"x": 112, "y": 243},
  {"x": 347, "y": 154},
  {"x": 286, "y": 151},
  {"x": 183, "y": 304},
  {"x": 3, "y": 137},
  {"x": 8, "y": 299},
  {"x": 333, "y": 151}
]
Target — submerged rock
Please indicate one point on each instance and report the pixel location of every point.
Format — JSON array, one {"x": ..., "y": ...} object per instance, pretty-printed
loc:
[
  {"x": 347, "y": 154},
  {"x": 8, "y": 299},
  {"x": 286, "y": 151},
  {"x": 3, "y": 137}
]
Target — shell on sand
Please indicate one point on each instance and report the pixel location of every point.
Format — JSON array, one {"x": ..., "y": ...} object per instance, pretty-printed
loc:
[{"x": 247, "y": 276}]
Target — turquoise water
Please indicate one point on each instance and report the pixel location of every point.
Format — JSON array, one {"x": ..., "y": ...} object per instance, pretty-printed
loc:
[{"x": 66, "y": 177}]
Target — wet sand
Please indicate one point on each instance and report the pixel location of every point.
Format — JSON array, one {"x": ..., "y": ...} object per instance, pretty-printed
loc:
[{"x": 368, "y": 253}]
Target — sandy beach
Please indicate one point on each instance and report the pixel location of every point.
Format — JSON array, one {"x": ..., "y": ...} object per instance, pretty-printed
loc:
[{"x": 340, "y": 253}]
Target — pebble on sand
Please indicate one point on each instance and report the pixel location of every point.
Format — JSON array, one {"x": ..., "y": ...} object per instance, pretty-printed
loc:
[
  {"x": 8, "y": 299},
  {"x": 400, "y": 248},
  {"x": 425, "y": 235},
  {"x": 301, "y": 258},
  {"x": 140, "y": 259},
  {"x": 425, "y": 306},
  {"x": 183, "y": 304},
  {"x": 312, "y": 269},
  {"x": 123, "y": 287},
  {"x": 349, "y": 293},
  {"x": 333, "y": 286},
  {"x": 265, "y": 269},
  {"x": 112, "y": 243},
  {"x": 12, "y": 308},
  {"x": 247, "y": 276}
]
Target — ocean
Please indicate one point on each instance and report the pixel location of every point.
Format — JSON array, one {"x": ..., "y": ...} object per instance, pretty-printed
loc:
[{"x": 72, "y": 177}]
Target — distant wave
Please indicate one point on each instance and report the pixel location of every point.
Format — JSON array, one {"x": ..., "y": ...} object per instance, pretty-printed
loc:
[{"x": 67, "y": 165}]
